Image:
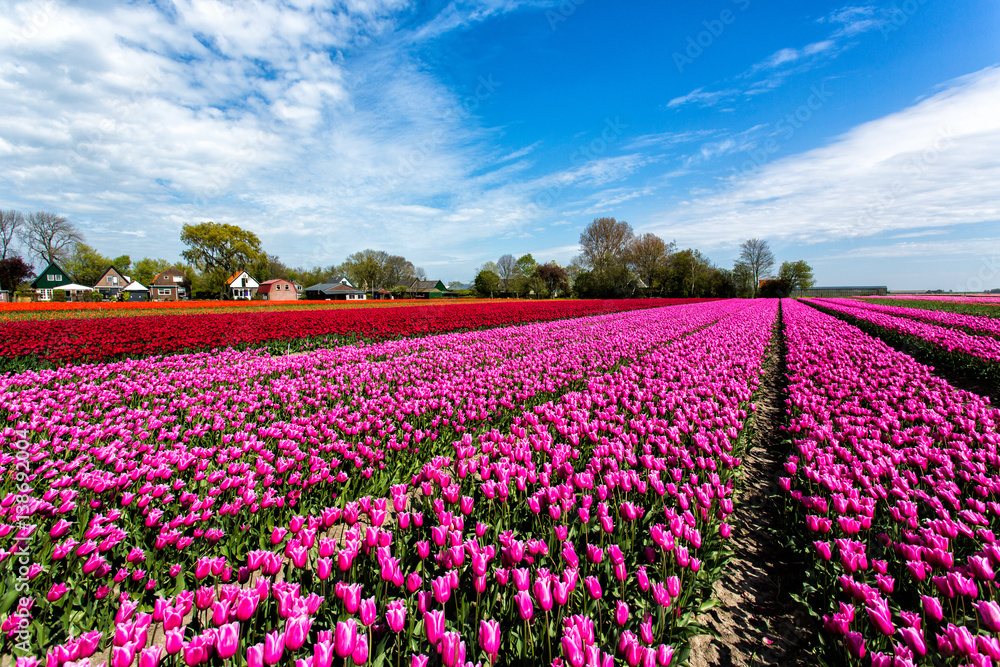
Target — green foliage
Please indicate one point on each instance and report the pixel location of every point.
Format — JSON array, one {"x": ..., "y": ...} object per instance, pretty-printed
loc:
[
  {"x": 122, "y": 263},
  {"x": 146, "y": 269},
  {"x": 96, "y": 296},
  {"x": 59, "y": 296},
  {"x": 798, "y": 274},
  {"x": 86, "y": 265},
  {"x": 219, "y": 250},
  {"x": 487, "y": 283}
]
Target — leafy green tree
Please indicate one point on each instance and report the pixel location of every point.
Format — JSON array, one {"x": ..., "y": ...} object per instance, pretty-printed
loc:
[
  {"x": 86, "y": 265},
  {"x": 524, "y": 271},
  {"x": 605, "y": 244},
  {"x": 743, "y": 280},
  {"x": 487, "y": 283},
  {"x": 122, "y": 263},
  {"x": 798, "y": 274},
  {"x": 146, "y": 269},
  {"x": 220, "y": 250}
]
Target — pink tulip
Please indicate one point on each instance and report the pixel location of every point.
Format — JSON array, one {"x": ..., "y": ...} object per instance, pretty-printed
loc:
[
  {"x": 346, "y": 637},
  {"x": 296, "y": 631},
  {"x": 489, "y": 638},
  {"x": 255, "y": 655},
  {"x": 434, "y": 625},
  {"x": 395, "y": 615},
  {"x": 524, "y": 605},
  {"x": 228, "y": 640},
  {"x": 360, "y": 653},
  {"x": 274, "y": 647}
]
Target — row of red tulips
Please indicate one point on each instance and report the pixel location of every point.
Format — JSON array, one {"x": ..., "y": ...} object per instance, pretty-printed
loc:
[{"x": 81, "y": 340}]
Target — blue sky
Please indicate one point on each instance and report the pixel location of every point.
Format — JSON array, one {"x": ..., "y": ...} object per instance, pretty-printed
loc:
[{"x": 864, "y": 138}]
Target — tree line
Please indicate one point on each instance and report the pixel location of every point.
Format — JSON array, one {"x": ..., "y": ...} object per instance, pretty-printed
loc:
[
  {"x": 614, "y": 262},
  {"x": 214, "y": 252}
]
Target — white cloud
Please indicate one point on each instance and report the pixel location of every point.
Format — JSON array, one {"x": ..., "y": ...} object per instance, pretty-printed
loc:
[
  {"x": 136, "y": 118},
  {"x": 932, "y": 164}
]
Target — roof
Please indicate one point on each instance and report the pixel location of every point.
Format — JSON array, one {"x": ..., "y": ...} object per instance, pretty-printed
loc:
[
  {"x": 42, "y": 282},
  {"x": 339, "y": 288},
  {"x": 160, "y": 280},
  {"x": 265, "y": 287},
  {"x": 135, "y": 286},
  {"x": 427, "y": 286},
  {"x": 75, "y": 287}
]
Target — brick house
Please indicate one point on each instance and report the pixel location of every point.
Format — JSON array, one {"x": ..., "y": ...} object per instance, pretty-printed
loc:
[
  {"x": 168, "y": 285},
  {"x": 278, "y": 290}
]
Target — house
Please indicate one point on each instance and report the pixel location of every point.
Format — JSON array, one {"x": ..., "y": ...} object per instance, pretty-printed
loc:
[
  {"x": 382, "y": 294},
  {"x": 278, "y": 290},
  {"x": 53, "y": 277},
  {"x": 111, "y": 283},
  {"x": 338, "y": 289},
  {"x": 425, "y": 289},
  {"x": 241, "y": 286},
  {"x": 136, "y": 291},
  {"x": 168, "y": 285}
]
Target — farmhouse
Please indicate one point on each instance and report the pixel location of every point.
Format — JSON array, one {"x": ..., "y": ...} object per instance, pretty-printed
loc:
[
  {"x": 111, "y": 282},
  {"x": 278, "y": 290},
  {"x": 424, "y": 289},
  {"x": 168, "y": 285},
  {"x": 52, "y": 278},
  {"x": 879, "y": 290},
  {"x": 338, "y": 289},
  {"x": 242, "y": 286}
]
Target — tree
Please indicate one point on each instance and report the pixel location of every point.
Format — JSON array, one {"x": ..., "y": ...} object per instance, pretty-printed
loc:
[
  {"x": 798, "y": 274},
  {"x": 13, "y": 272},
  {"x": 398, "y": 269},
  {"x": 122, "y": 263},
  {"x": 368, "y": 269},
  {"x": 487, "y": 283},
  {"x": 604, "y": 243},
  {"x": 554, "y": 278},
  {"x": 743, "y": 280},
  {"x": 757, "y": 255},
  {"x": 146, "y": 269},
  {"x": 219, "y": 250},
  {"x": 11, "y": 223},
  {"x": 647, "y": 255},
  {"x": 507, "y": 270},
  {"x": 50, "y": 236},
  {"x": 86, "y": 265},
  {"x": 524, "y": 271}
]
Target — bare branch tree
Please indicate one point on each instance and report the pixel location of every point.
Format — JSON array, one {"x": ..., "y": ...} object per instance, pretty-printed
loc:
[
  {"x": 50, "y": 236},
  {"x": 507, "y": 270},
  {"x": 11, "y": 223},
  {"x": 757, "y": 255}
]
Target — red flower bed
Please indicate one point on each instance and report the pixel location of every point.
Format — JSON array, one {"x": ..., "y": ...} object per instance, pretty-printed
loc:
[{"x": 78, "y": 340}]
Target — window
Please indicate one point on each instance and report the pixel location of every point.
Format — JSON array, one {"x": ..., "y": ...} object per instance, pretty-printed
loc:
[
  {"x": 53, "y": 277},
  {"x": 109, "y": 280},
  {"x": 178, "y": 279},
  {"x": 163, "y": 291},
  {"x": 286, "y": 287}
]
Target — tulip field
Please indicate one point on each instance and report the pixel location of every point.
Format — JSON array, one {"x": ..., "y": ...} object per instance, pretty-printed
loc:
[
  {"x": 38, "y": 344},
  {"x": 556, "y": 489}
]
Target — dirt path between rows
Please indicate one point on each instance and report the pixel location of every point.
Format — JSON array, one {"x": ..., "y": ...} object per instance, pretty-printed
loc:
[{"x": 758, "y": 623}]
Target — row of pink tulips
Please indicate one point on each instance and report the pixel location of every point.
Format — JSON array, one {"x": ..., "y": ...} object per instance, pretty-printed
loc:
[
  {"x": 465, "y": 498},
  {"x": 895, "y": 477},
  {"x": 972, "y": 323},
  {"x": 946, "y": 338}
]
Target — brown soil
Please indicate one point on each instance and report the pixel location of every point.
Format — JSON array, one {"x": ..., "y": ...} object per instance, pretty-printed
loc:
[{"x": 758, "y": 623}]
